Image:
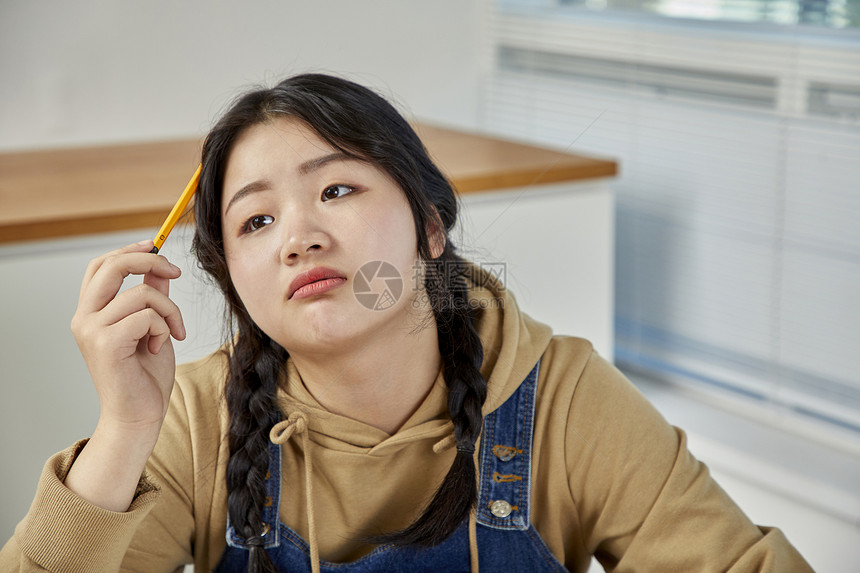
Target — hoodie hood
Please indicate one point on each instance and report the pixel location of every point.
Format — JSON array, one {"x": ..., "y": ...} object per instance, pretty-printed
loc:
[{"x": 513, "y": 342}]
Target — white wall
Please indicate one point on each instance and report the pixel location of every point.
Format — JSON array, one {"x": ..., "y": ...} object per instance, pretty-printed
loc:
[{"x": 98, "y": 71}]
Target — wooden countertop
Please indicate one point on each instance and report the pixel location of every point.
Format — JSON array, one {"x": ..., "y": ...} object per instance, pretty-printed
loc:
[{"x": 56, "y": 193}]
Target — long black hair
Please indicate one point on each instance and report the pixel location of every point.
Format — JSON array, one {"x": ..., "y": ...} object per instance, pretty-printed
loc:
[{"x": 360, "y": 123}]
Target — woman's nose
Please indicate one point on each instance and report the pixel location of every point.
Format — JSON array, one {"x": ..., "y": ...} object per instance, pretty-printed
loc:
[{"x": 303, "y": 237}]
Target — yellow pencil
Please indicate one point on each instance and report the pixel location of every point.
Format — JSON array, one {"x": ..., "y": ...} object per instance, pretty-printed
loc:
[{"x": 177, "y": 210}]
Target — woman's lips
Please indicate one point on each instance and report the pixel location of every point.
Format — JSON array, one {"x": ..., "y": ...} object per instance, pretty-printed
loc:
[
  {"x": 317, "y": 287},
  {"x": 315, "y": 281}
]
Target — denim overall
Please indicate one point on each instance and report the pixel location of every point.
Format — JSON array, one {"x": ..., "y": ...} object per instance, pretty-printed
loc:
[{"x": 506, "y": 540}]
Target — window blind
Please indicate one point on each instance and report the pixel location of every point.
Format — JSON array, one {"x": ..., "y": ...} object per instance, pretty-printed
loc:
[
  {"x": 738, "y": 204},
  {"x": 821, "y": 13}
]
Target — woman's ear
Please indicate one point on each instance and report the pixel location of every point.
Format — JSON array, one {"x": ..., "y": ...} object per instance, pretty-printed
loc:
[{"x": 436, "y": 235}]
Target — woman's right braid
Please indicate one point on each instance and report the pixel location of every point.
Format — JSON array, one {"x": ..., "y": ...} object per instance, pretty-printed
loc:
[
  {"x": 255, "y": 365},
  {"x": 462, "y": 355}
]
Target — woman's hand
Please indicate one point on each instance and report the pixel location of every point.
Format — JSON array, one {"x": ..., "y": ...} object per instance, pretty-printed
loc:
[
  {"x": 125, "y": 337},
  {"x": 125, "y": 340}
]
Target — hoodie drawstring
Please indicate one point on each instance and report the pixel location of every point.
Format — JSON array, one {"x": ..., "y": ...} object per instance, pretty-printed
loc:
[
  {"x": 281, "y": 432},
  {"x": 473, "y": 542},
  {"x": 297, "y": 423}
]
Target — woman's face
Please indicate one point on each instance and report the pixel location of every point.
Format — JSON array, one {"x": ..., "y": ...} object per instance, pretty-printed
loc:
[{"x": 300, "y": 220}]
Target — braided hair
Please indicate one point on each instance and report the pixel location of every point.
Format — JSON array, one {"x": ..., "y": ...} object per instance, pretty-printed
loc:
[{"x": 362, "y": 124}]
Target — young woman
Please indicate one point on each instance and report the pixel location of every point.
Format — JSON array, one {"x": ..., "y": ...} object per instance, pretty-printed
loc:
[{"x": 443, "y": 430}]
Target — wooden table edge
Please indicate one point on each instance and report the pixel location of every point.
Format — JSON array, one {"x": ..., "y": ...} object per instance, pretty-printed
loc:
[{"x": 561, "y": 168}]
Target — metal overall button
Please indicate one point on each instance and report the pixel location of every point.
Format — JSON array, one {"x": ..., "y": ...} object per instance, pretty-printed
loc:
[{"x": 500, "y": 508}]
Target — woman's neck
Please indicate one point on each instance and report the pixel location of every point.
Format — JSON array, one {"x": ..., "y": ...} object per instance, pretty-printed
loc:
[{"x": 380, "y": 381}]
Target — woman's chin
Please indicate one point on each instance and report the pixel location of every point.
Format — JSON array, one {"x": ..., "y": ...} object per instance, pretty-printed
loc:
[{"x": 341, "y": 330}]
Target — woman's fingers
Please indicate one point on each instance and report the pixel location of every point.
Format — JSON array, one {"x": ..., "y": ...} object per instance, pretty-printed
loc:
[
  {"x": 95, "y": 264},
  {"x": 146, "y": 327},
  {"x": 100, "y": 287},
  {"x": 161, "y": 284},
  {"x": 142, "y": 297},
  {"x": 119, "y": 323}
]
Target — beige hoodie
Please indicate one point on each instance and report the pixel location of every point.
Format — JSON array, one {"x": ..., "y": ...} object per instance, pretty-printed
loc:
[{"x": 610, "y": 477}]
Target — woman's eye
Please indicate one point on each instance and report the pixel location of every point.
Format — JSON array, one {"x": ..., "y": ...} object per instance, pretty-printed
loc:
[
  {"x": 257, "y": 222},
  {"x": 335, "y": 191}
]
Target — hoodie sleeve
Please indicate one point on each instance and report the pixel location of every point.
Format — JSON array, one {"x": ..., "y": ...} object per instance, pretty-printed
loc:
[
  {"x": 163, "y": 541},
  {"x": 644, "y": 502},
  {"x": 64, "y": 532}
]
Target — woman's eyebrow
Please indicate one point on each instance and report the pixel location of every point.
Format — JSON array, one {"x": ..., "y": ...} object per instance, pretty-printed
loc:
[
  {"x": 311, "y": 165},
  {"x": 253, "y": 187}
]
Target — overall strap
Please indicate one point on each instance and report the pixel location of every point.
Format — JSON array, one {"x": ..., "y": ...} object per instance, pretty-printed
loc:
[
  {"x": 271, "y": 507},
  {"x": 505, "y": 462}
]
